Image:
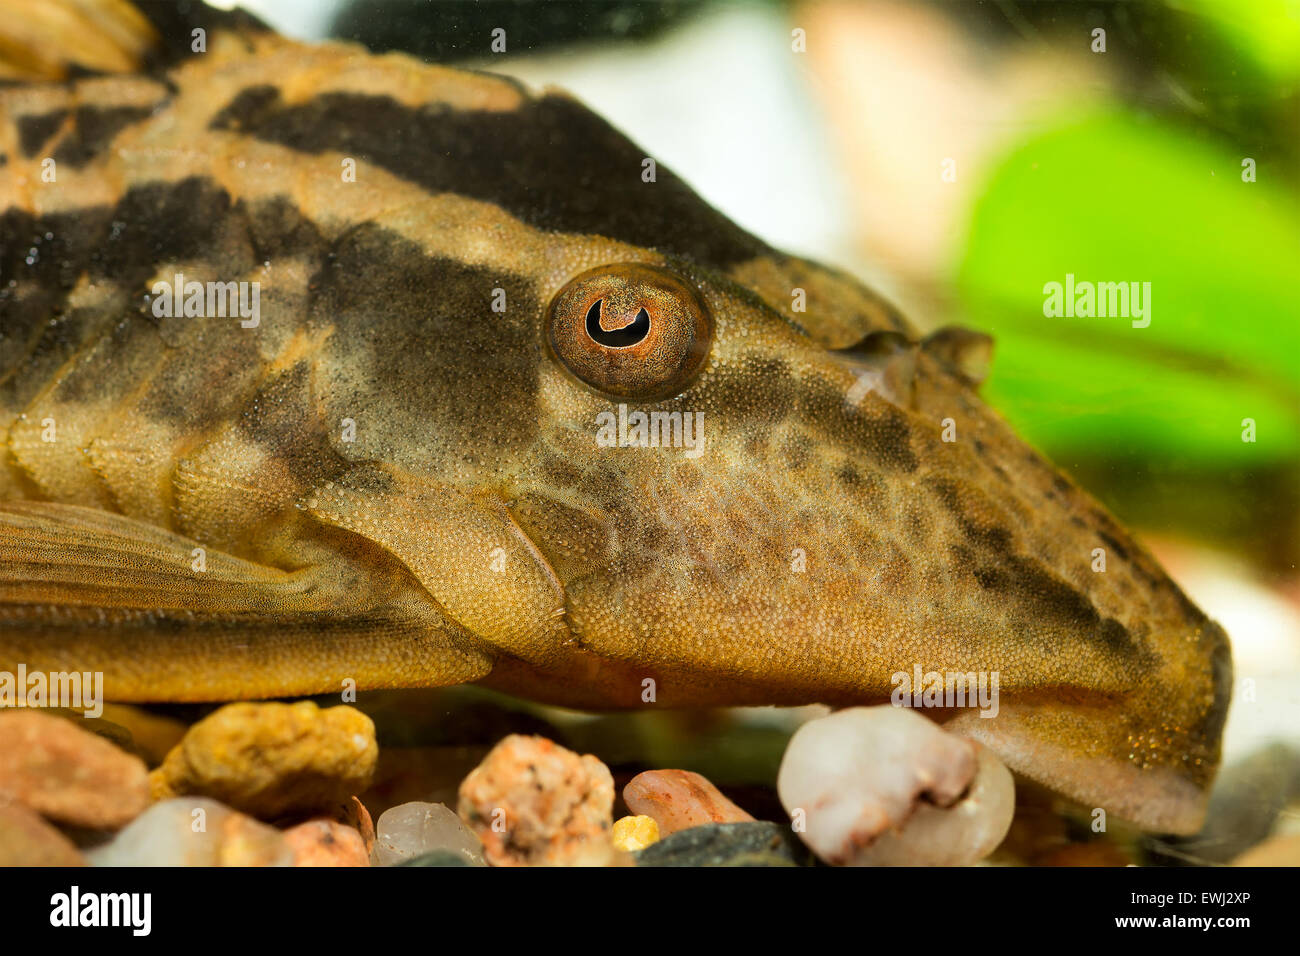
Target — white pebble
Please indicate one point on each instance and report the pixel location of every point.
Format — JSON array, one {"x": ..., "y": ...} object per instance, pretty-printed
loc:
[
  {"x": 193, "y": 831},
  {"x": 413, "y": 829},
  {"x": 880, "y": 786}
]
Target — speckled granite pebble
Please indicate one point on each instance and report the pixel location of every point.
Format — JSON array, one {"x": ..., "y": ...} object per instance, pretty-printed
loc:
[
  {"x": 534, "y": 803},
  {"x": 326, "y": 843}
]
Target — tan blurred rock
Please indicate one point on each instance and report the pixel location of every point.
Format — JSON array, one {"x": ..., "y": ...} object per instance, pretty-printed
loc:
[
  {"x": 273, "y": 760},
  {"x": 27, "y": 840},
  {"x": 68, "y": 774}
]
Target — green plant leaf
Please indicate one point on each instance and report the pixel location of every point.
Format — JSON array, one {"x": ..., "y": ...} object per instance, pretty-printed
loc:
[{"x": 1116, "y": 197}]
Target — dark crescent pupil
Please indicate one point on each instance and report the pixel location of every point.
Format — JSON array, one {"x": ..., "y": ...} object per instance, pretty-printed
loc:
[{"x": 627, "y": 336}]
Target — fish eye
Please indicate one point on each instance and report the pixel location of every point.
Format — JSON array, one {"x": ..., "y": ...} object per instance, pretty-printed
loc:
[{"x": 630, "y": 330}]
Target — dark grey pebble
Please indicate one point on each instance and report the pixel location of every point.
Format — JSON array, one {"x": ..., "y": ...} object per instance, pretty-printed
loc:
[
  {"x": 728, "y": 844},
  {"x": 436, "y": 858}
]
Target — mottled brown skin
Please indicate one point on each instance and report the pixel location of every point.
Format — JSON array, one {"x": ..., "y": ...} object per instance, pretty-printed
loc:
[{"x": 474, "y": 530}]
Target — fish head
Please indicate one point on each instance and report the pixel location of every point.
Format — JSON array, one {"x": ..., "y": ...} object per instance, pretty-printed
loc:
[
  {"x": 757, "y": 484},
  {"x": 748, "y": 479}
]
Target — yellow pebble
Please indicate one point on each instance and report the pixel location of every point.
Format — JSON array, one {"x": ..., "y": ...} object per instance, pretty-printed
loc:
[{"x": 635, "y": 833}]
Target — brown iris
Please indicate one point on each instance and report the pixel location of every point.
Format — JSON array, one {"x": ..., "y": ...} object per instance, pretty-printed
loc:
[{"x": 631, "y": 330}]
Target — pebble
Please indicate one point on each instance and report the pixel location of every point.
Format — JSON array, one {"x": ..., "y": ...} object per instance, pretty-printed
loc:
[
  {"x": 326, "y": 843},
  {"x": 354, "y": 814},
  {"x": 958, "y": 835},
  {"x": 534, "y": 803},
  {"x": 273, "y": 760},
  {"x": 679, "y": 800},
  {"x": 68, "y": 774},
  {"x": 634, "y": 833},
  {"x": 437, "y": 858},
  {"x": 194, "y": 831},
  {"x": 27, "y": 840},
  {"x": 728, "y": 844},
  {"x": 880, "y": 786},
  {"x": 416, "y": 829},
  {"x": 101, "y": 726}
]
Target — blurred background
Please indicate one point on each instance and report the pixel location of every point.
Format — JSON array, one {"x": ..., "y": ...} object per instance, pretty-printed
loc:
[{"x": 958, "y": 156}]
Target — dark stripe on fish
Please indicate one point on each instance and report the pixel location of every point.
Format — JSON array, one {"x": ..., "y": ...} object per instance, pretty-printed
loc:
[
  {"x": 34, "y": 131},
  {"x": 400, "y": 315},
  {"x": 93, "y": 130},
  {"x": 1048, "y": 600},
  {"x": 551, "y": 163}
]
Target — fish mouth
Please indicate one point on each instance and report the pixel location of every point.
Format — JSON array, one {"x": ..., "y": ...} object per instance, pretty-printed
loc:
[{"x": 1149, "y": 756}]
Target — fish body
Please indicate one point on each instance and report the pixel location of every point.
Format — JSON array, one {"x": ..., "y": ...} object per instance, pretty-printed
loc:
[{"x": 322, "y": 367}]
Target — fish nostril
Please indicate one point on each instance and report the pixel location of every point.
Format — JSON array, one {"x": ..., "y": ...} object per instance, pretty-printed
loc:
[{"x": 884, "y": 363}]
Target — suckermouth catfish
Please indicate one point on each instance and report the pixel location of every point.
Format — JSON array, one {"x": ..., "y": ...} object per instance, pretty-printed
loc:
[{"x": 311, "y": 360}]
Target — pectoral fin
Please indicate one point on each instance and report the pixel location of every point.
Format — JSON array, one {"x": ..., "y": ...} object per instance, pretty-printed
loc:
[
  {"x": 70, "y": 555},
  {"x": 464, "y": 547},
  {"x": 163, "y": 618}
]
